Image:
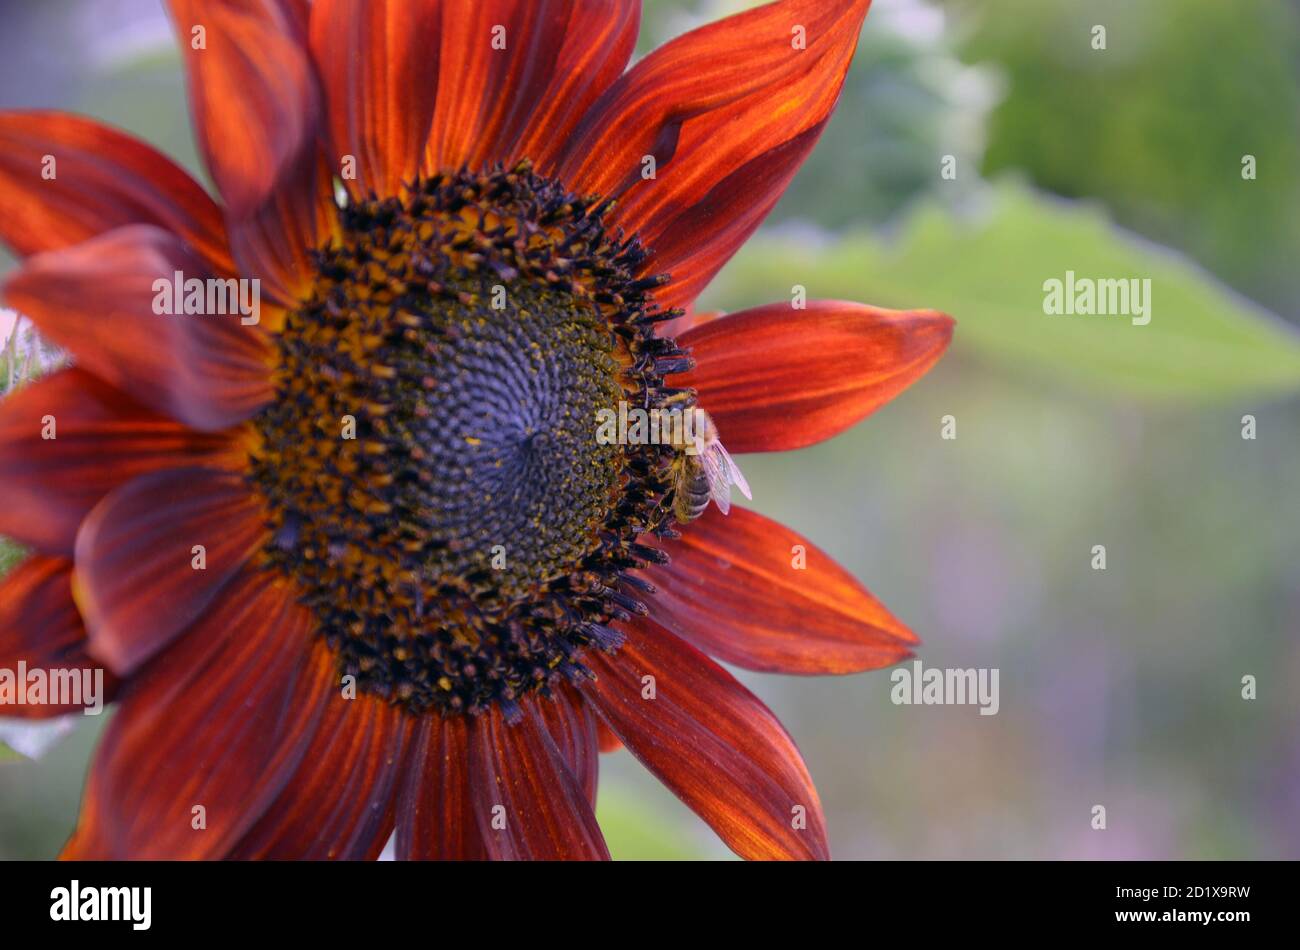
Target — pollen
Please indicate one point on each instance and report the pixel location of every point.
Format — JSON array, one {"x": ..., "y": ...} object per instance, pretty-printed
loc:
[{"x": 467, "y": 536}]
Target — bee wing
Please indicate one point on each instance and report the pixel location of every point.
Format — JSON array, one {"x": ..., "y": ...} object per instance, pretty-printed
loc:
[
  {"x": 723, "y": 472},
  {"x": 715, "y": 470},
  {"x": 733, "y": 471}
]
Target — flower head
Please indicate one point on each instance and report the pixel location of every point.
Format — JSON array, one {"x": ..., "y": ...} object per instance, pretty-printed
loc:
[{"x": 325, "y": 492}]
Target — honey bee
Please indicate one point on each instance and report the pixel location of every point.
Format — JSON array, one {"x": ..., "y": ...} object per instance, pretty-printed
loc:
[{"x": 704, "y": 471}]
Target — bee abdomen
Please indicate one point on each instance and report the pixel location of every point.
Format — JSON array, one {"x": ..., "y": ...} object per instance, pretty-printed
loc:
[{"x": 692, "y": 497}]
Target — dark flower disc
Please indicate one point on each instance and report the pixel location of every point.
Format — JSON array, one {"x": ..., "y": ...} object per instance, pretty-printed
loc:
[{"x": 431, "y": 463}]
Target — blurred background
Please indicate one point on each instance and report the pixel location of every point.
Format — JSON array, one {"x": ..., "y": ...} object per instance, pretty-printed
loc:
[{"x": 1121, "y": 687}]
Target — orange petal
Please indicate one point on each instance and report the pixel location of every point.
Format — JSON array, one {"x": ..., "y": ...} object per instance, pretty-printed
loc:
[
  {"x": 728, "y": 112},
  {"x": 102, "y": 440},
  {"x": 774, "y": 379},
  {"x": 435, "y": 810},
  {"x": 378, "y": 61},
  {"x": 711, "y": 741},
  {"x": 732, "y": 590},
  {"x": 98, "y": 299},
  {"x": 40, "y": 626},
  {"x": 528, "y": 804},
  {"x": 140, "y": 578},
  {"x": 102, "y": 179},
  {"x": 252, "y": 91},
  {"x": 206, "y": 737},
  {"x": 339, "y": 803}
]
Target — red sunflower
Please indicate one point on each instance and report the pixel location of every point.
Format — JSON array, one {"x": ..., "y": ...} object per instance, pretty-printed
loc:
[{"x": 357, "y": 562}]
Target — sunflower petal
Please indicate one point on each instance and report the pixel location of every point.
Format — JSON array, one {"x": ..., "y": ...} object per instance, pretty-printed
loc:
[
  {"x": 775, "y": 379},
  {"x": 206, "y": 737},
  {"x": 99, "y": 179},
  {"x": 528, "y": 804},
  {"x": 252, "y": 92},
  {"x": 141, "y": 576},
  {"x": 40, "y": 626},
  {"x": 339, "y": 803},
  {"x": 608, "y": 741},
  {"x": 69, "y": 440},
  {"x": 378, "y": 61},
  {"x": 573, "y": 727},
  {"x": 274, "y": 244},
  {"x": 435, "y": 809},
  {"x": 711, "y": 741},
  {"x": 727, "y": 112},
  {"x": 565, "y": 62},
  {"x": 98, "y": 300},
  {"x": 517, "y": 75},
  {"x": 732, "y": 589}
]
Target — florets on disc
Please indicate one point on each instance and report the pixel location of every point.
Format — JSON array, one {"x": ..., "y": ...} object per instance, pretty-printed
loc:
[{"x": 431, "y": 465}]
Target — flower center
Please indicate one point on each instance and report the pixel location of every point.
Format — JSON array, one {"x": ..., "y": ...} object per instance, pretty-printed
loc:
[{"x": 431, "y": 466}]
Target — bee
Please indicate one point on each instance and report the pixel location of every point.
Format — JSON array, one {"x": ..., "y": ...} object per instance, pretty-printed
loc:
[{"x": 704, "y": 471}]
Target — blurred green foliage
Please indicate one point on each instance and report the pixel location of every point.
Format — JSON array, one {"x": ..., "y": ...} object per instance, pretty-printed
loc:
[
  {"x": 1156, "y": 124},
  {"x": 906, "y": 102},
  {"x": 634, "y": 830},
  {"x": 10, "y": 554},
  {"x": 1202, "y": 344}
]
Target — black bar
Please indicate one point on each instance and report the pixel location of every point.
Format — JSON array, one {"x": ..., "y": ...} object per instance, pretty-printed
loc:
[{"x": 567, "y": 901}]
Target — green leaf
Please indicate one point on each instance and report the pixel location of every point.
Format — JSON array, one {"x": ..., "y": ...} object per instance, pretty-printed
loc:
[
  {"x": 1204, "y": 343},
  {"x": 7, "y": 754}
]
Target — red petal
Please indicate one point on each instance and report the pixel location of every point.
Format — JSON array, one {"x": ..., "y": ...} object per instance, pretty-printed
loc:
[
  {"x": 293, "y": 16},
  {"x": 528, "y": 804},
  {"x": 775, "y": 379},
  {"x": 97, "y": 300},
  {"x": 573, "y": 727},
  {"x": 221, "y": 721},
  {"x": 733, "y": 590},
  {"x": 608, "y": 741},
  {"x": 573, "y": 55},
  {"x": 136, "y": 583},
  {"x": 272, "y": 240},
  {"x": 711, "y": 741},
  {"x": 500, "y": 104},
  {"x": 339, "y": 804},
  {"x": 378, "y": 60},
  {"x": 435, "y": 810},
  {"x": 103, "y": 440},
  {"x": 275, "y": 243},
  {"x": 252, "y": 91},
  {"x": 729, "y": 112},
  {"x": 40, "y": 626},
  {"x": 103, "y": 179}
]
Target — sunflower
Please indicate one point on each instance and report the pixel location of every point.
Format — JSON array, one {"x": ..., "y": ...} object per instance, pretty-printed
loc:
[{"x": 356, "y": 562}]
